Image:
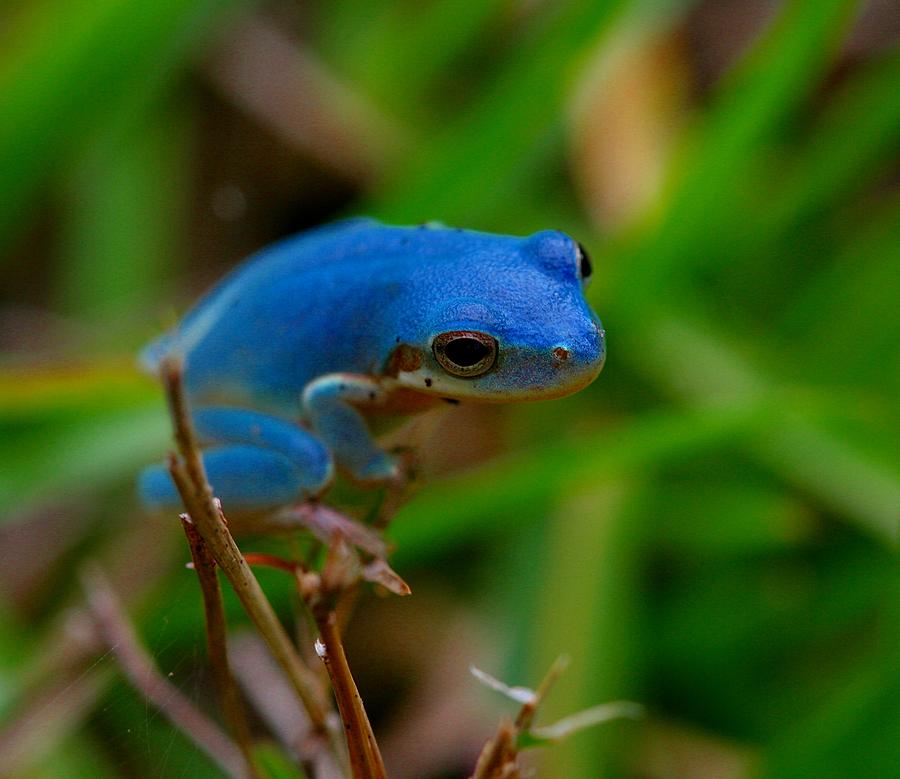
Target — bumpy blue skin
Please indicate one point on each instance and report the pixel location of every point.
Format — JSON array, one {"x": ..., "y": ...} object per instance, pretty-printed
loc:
[{"x": 288, "y": 356}]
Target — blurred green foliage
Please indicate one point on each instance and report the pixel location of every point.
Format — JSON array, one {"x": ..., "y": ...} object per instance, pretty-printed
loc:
[{"x": 711, "y": 528}]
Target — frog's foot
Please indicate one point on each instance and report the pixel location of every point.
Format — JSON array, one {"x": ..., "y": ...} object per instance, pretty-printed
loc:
[
  {"x": 382, "y": 468},
  {"x": 253, "y": 461},
  {"x": 332, "y": 403}
]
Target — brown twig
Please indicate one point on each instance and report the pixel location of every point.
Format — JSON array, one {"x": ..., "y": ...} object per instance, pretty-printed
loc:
[
  {"x": 189, "y": 476},
  {"x": 499, "y": 756},
  {"x": 323, "y": 594},
  {"x": 144, "y": 676},
  {"x": 216, "y": 644},
  {"x": 341, "y": 572},
  {"x": 525, "y": 718},
  {"x": 265, "y": 686},
  {"x": 365, "y": 757}
]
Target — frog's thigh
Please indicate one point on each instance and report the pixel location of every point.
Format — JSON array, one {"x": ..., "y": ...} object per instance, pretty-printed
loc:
[
  {"x": 253, "y": 460},
  {"x": 328, "y": 404}
]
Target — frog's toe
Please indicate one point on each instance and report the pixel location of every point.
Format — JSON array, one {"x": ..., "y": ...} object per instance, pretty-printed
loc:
[
  {"x": 408, "y": 465},
  {"x": 380, "y": 468}
]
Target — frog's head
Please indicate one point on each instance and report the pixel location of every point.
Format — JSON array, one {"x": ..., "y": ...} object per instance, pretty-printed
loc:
[{"x": 508, "y": 321}]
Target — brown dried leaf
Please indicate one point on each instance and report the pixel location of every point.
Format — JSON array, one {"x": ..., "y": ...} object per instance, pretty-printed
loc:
[
  {"x": 379, "y": 572},
  {"x": 324, "y": 523}
]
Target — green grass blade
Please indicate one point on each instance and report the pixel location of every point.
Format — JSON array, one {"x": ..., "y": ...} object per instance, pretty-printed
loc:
[
  {"x": 588, "y": 609},
  {"x": 122, "y": 231},
  {"x": 95, "y": 450},
  {"x": 852, "y": 729},
  {"x": 763, "y": 91},
  {"x": 706, "y": 372},
  {"x": 853, "y": 300},
  {"x": 858, "y": 133},
  {"x": 520, "y": 486},
  {"x": 75, "y": 65},
  {"x": 396, "y": 52},
  {"x": 446, "y": 178}
]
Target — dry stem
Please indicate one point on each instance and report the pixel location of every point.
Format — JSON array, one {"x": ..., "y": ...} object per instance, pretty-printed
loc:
[
  {"x": 322, "y": 593},
  {"x": 340, "y": 573},
  {"x": 143, "y": 675},
  {"x": 499, "y": 756},
  {"x": 190, "y": 479},
  {"x": 212, "y": 543},
  {"x": 216, "y": 644},
  {"x": 365, "y": 757},
  {"x": 526, "y": 714}
]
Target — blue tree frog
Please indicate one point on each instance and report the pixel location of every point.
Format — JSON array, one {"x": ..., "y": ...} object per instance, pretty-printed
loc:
[{"x": 289, "y": 357}]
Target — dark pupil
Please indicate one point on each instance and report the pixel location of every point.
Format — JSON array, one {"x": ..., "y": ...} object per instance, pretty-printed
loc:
[
  {"x": 466, "y": 352},
  {"x": 584, "y": 262}
]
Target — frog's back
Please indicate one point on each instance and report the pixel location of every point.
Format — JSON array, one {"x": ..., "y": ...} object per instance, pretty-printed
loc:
[
  {"x": 331, "y": 300},
  {"x": 253, "y": 316},
  {"x": 292, "y": 256}
]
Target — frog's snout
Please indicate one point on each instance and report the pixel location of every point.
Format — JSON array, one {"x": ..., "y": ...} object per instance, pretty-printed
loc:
[
  {"x": 578, "y": 361},
  {"x": 587, "y": 350}
]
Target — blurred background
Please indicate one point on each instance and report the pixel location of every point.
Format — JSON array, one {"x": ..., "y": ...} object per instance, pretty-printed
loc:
[{"x": 710, "y": 529}]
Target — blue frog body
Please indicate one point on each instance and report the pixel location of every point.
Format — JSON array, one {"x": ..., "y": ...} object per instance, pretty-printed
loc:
[{"x": 289, "y": 354}]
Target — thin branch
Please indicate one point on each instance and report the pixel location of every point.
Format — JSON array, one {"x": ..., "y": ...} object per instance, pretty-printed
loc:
[
  {"x": 365, "y": 757},
  {"x": 529, "y": 708},
  {"x": 265, "y": 686},
  {"x": 340, "y": 574},
  {"x": 322, "y": 593},
  {"x": 216, "y": 644},
  {"x": 498, "y": 756},
  {"x": 144, "y": 676},
  {"x": 193, "y": 486}
]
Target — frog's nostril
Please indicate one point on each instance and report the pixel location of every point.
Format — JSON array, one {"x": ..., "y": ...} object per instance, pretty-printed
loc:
[{"x": 561, "y": 354}]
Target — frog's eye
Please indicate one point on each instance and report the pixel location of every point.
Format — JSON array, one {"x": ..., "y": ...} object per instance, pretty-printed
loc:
[
  {"x": 584, "y": 263},
  {"x": 465, "y": 352}
]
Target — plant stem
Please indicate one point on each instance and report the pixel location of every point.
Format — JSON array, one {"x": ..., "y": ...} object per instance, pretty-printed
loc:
[
  {"x": 144, "y": 676},
  {"x": 498, "y": 756},
  {"x": 526, "y": 714},
  {"x": 216, "y": 644},
  {"x": 190, "y": 479},
  {"x": 365, "y": 757}
]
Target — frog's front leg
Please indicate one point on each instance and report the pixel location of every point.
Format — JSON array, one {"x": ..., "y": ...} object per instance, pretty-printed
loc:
[
  {"x": 330, "y": 403},
  {"x": 252, "y": 460}
]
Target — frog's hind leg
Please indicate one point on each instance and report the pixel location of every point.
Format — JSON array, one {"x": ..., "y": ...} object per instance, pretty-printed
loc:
[{"x": 253, "y": 461}]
